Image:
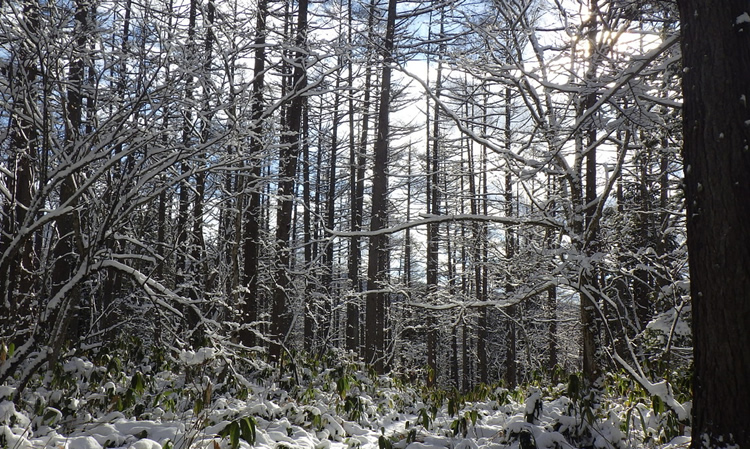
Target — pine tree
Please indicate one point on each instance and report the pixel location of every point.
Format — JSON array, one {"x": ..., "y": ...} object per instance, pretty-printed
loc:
[{"x": 716, "y": 87}]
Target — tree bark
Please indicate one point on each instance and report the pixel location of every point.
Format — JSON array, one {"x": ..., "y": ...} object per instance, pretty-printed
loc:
[
  {"x": 377, "y": 269},
  {"x": 328, "y": 256},
  {"x": 511, "y": 367},
  {"x": 716, "y": 88},
  {"x": 17, "y": 261},
  {"x": 281, "y": 316},
  {"x": 357, "y": 186},
  {"x": 66, "y": 251},
  {"x": 252, "y": 215},
  {"x": 433, "y": 229},
  {"x": 589, "y": 296}
]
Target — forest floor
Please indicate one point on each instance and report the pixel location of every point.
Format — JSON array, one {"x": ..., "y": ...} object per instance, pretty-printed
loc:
[{"x": 201, "y": 400}]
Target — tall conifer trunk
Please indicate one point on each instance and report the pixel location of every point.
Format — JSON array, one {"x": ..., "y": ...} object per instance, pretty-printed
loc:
[
  {"x": 17, "y": 261},
  {"x": 377, "y": 270},
  {"x": 716, "y": 113},
  {"x": 589, "y": 296},
  {"x": 433, "y": 230},
  {"x": 252, "y": 214},
  {"x": 67, "y": 250},
  {"x": 281, "y": 315}
]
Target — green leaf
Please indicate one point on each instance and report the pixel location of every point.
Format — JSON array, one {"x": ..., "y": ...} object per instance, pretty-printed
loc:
[
  {"x": 657, "y": 404},
  {"x": 137, "y": 383},
  {"x": 384, "y": 443},
  {"x": 411, "y": 436},
  {"x": 473, "y": 416},
  {"x": 643, "y": 422},
  {"x": 234, "y": 435},
  {"x": 198, "y": 407},
  {"x": 342, "y": 385},
  {"x": 51, "y": 415},
  {"x": 247, "y": 429},
  {"x": 460, "y": 426},
  {"x": 424, "y": 418},
  {"x": 626, "y": 424}
]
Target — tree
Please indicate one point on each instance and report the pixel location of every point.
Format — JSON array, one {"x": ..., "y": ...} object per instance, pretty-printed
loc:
[
  {"x": 69, "y": 225},
  {"x": 357, "y": 164},
  {"x": 17, "y": 261},
  {"x": 433, "y": 206},
  {"x": 252, "y": 214},
  {"x": 716, "y": 86},
  {"x": 281, "y": 317},
  {"x": 377, "y": 297},
  {"x": 100, "y": 171}
]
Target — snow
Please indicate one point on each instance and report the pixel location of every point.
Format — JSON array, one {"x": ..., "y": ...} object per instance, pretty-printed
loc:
[
  {"x": 145, "y": 443},
  {"x": 82, "y": 442},
  {"x": 7, "y": 410},
  {"x": 314, "y": 414},
  {"x": 671, "y": 320},
  {"x": 742, "y": 18},
  {"x": 198, "y": 357}
]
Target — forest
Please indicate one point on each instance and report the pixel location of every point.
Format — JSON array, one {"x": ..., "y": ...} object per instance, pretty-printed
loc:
[{"x": 381, "y": 223}]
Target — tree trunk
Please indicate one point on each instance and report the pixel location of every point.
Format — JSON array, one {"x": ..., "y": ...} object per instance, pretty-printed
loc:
[
  {"x": 66, "y": 251},
  {"x": 17, "y": 263},
  {"x": 199, "y": 268},
  {"x": 252, "y": 215},
  {"x": 511, "y": 367},
  {"x": 433, "y": 229},
  {"x": 377, "y": 270},
  {"x": 328, "y": 256},
  {"x": 357, "y": 187},
  {"x": 589, "y": 295},
  {"x": 281, "y": 316},
  {"x": 310, "y": 306},
  {"x": 716, "y": 87},
  {"x": 184, "y": 270},
  {"x": 511, "y": 247},
  {"x": 480, "y": 254}
]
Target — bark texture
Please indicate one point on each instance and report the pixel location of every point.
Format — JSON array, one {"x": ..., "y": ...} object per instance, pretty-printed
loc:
[{"x": 716, "y": 86}]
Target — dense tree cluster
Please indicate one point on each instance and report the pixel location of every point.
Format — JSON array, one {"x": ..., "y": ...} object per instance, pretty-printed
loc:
[{"x": 475, "y": 191}]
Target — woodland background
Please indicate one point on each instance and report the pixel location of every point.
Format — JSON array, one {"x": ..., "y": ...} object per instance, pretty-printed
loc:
[
  {"x": 464, "y": 193},
  {"x": 485, "y": 189}
]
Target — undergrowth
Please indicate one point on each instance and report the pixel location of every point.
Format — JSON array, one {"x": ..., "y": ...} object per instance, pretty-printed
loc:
[{"x": 227, "y": 397}]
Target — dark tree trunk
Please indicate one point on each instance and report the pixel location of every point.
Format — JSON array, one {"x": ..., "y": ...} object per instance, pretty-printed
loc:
[
  {"x": 66, "y": 252},
  {"x": 407, "y": 274},
  {"x": 511, "y": 367},
  {"x": 252, "y": 215},
  {"x": 589, "y": 296},
  {"x": 328, "y": 256},
  {"x": 552, "y": 330},
  {"x": 377, "y": 270},
  {"x": 310, "y": 314},
  {"x": 357, "y": 187},
  {"x": 199, "y": 268},
  {"x": 478, "y": 242},
  {"x": 281, "y": 316},
  {"x": 549, "y": 243},
  {"x": 433, "y": 229},
  {"x": 17, "y": 261},
  {"x": 184, "y": 268},
  {"x": 480, "y": 251},
  {"x": 716, "y": 113}
]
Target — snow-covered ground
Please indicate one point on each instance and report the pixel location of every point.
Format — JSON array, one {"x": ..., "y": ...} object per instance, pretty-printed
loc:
[{"x": 202, "y": 401}]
